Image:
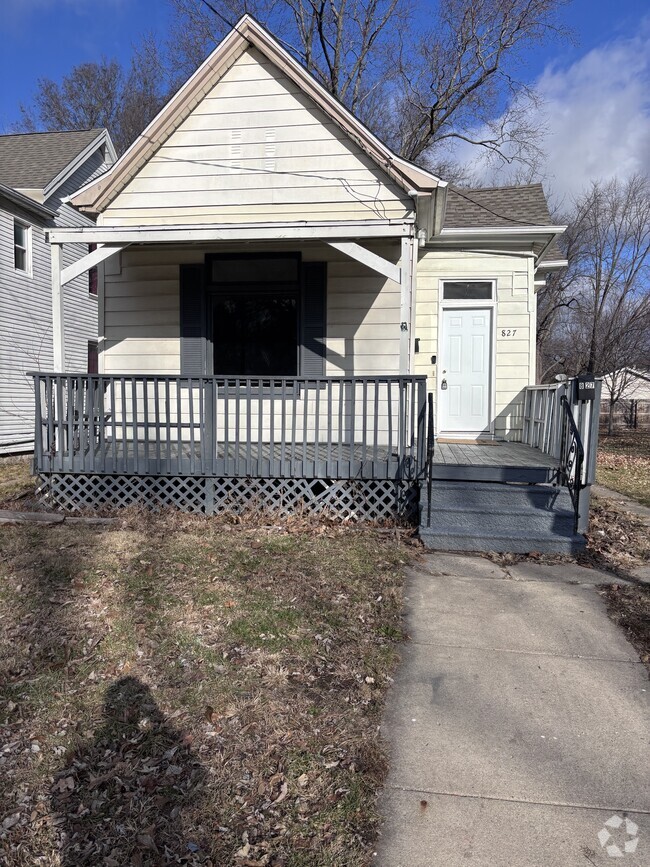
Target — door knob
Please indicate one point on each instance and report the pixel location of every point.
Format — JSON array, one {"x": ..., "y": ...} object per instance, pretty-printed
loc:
[{"x": 443, "y": 384}]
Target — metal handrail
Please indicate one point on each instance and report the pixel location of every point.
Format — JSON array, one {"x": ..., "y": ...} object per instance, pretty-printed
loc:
[
  {"x": 572, "y": 460},
  {"x": 431, "y": 444}
]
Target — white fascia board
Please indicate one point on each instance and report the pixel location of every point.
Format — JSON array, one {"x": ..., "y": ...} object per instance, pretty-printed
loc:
[
  {"x": 229, "y": 232},
  {"x": 501, "y": 231},
  {"x": 553, "y": 265},
  {"x": 75, "y": 163}
]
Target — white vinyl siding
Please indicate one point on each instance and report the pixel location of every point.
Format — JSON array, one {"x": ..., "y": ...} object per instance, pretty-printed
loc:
[
  {"x": 141, "y": 330},
  {"x": 514, "y": 354},
  {"x": 256, "y": 149}
]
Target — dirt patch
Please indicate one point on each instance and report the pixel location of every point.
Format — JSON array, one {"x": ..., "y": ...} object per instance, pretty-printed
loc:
[
  {"x": 617, "y": 542},
  {"x": 630, "y": 608},
  {"x": 179, "y": 690}
]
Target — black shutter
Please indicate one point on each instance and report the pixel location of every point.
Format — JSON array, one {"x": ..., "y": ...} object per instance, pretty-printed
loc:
[
  {"x": 312, "y": 319},
  {"x": 193, "y": 331}
]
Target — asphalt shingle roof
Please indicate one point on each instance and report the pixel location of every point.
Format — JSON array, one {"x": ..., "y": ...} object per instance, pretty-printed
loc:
[
  {"x": 497, "y": 206},
  {"x": 32, "y": 160}
]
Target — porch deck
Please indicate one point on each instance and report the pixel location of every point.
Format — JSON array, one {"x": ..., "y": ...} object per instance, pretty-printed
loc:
[
  {"x": 494, "y": 462},
  {"x": 324, "y": 460},
  {"x": 368, "y": 428}
]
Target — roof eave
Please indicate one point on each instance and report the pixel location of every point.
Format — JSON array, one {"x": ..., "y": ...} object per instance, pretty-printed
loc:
[{"x": 26, "y": 202}]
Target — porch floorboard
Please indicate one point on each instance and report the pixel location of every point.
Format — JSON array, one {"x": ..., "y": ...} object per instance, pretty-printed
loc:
[
  {"x": 262, "y": 460},
  {"x": 505, "y": 462}
]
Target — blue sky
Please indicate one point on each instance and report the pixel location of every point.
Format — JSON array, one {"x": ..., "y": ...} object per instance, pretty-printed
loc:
[{"x": 597, "y": 91}]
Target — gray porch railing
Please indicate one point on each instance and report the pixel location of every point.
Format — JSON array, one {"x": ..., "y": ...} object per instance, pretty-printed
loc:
[
  {"x": 329, "y": 427},
  {"x": 561, "y": 426}
]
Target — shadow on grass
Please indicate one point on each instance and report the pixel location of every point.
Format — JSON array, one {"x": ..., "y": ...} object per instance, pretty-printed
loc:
[{"x": 122, "y": 796}]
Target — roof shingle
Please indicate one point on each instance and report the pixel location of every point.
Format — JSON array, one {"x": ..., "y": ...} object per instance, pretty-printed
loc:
[
  {"x": 32, "y": 160},
  {"x": 491, "y": 207}
]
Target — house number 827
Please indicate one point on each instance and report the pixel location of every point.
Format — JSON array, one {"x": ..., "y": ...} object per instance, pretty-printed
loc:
[{"x": 508, "y": 332}]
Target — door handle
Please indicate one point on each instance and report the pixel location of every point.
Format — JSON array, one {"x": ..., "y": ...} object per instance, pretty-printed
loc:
[{"x": 443, "y": 384}]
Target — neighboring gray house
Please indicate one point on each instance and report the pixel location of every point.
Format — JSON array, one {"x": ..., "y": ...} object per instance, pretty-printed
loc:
[{"x": 37, "y": 172}]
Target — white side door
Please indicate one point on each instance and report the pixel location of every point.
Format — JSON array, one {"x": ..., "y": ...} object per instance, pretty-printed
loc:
[{"x": 465, "y": 372}]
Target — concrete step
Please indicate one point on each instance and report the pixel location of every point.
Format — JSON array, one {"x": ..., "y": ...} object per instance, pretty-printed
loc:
[
  {"x": 446, "y": 495},
  {"x": 515, "y": 543},
  {"x": 480, "y": 516},
  {"x": 499, "y": 523}
]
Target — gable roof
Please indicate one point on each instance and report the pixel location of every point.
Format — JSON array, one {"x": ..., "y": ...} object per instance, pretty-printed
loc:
[
  {"x": 497, "y": 207},
  {"x": 247, "y": 32},
  {"x": 33, "y": 160}
]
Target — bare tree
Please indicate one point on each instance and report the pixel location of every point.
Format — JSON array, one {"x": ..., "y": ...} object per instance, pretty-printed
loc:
[
  {"x": 102, "y": 94},
  {"x": 459, "y": 80},
  {"x": 88, "y": 97},
  {"x": 419, "y": 89},
  {"x": 596, "y": 315},
  {"x": 344, "y": 44},
  {"x": 612, "y": 270}
]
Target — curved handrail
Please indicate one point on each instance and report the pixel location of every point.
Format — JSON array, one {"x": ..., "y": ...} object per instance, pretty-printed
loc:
[{"x": 572, "y": 460}]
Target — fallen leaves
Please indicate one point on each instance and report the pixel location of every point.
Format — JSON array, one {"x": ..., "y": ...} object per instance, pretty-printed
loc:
[{"x": 265, "y": 682}]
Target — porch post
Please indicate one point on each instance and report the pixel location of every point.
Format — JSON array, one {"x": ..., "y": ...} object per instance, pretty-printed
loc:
[
  {"x": 406, "y": 305},
  {"x": 58, "y": 327}
]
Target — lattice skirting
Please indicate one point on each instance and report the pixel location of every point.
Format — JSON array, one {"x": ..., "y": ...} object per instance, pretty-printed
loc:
[{"x": 346, "y": 500}]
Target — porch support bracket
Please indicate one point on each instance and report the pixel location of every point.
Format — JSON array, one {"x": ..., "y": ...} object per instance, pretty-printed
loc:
[
  {"x": 90, "y": 260},
  {"x": 369, "y": 259}
]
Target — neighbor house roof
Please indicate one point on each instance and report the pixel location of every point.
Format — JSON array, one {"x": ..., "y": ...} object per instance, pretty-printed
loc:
[{"x": 32, "y": 160}]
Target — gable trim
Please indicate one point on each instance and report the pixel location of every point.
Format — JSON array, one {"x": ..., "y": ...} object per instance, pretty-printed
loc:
[
  {"x": 79, "y": 160},
  {"x": 98, "y": 194}
]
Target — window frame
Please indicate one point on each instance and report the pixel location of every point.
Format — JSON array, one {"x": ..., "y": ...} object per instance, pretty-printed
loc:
[
  {"x": 468, "y": 301},
  {"x": 27, "y": 248}
]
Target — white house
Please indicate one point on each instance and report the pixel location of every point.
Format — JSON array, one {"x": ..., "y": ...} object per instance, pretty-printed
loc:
[
  {"x": 37, "y": 172},
  {"x": 278, "y": 294}
]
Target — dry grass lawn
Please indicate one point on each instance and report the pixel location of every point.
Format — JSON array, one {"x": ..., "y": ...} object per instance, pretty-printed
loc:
[
  {"x": 16, "y": 479},
  {"x": 624, "y": 464},
  {"x": 176, "y": 690}
]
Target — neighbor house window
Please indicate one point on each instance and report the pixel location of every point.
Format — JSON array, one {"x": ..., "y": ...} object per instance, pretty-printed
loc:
[
  {"x": 93, "y": 357},
  {"x": 92, "y": 274},
  {"x": 467, "y": 290},
  {"x": 22, "y": 247}
]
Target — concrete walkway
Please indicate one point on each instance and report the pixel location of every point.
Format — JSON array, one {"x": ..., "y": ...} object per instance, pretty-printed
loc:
[{"x": 518, "y": 723}]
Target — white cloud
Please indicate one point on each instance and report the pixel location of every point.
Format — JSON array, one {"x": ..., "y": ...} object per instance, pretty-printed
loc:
[{"x": 596, "y": 116}]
